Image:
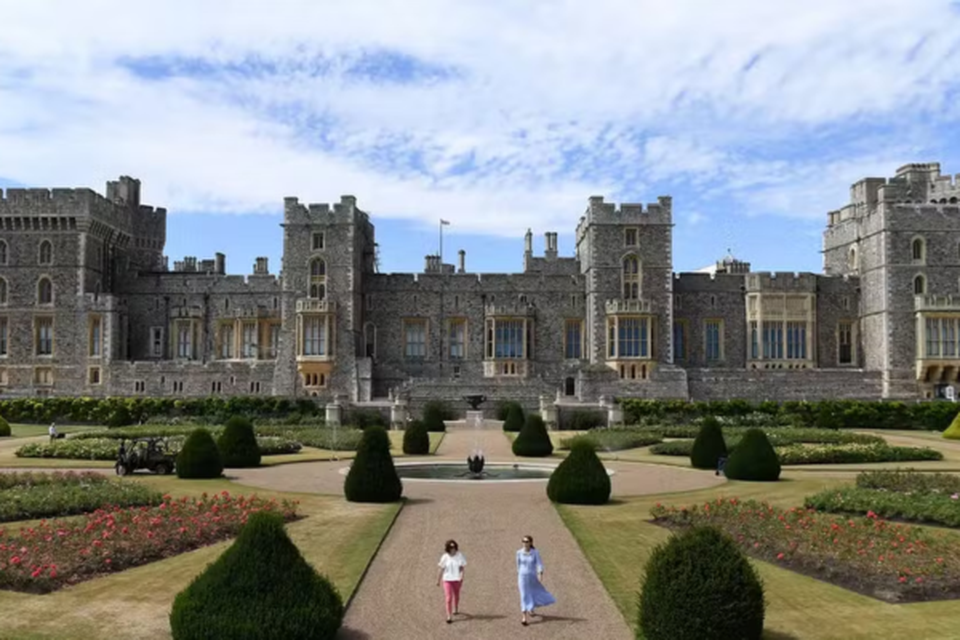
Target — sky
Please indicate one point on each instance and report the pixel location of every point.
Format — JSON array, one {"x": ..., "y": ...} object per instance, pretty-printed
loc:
[{"x": 496, "y": 116}]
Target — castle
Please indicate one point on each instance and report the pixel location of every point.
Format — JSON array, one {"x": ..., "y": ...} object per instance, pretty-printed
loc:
[{"x": 88, "y": 307}]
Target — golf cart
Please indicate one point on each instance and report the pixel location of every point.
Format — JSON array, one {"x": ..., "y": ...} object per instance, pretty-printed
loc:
[{"x": 145, "y": 453}]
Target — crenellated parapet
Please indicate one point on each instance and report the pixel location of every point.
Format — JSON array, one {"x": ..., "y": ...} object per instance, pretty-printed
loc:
[
  {"x": 600, "y": 212},
  {"x": 782, "y": 281},
  {"x": 343, "y": 212}
]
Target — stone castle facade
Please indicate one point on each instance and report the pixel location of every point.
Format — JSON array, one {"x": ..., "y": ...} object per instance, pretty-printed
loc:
[{"x": 88, "y": 307}]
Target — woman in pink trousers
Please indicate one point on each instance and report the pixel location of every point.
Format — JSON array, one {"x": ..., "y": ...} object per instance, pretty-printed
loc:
[{"x": 451, "y": 574}]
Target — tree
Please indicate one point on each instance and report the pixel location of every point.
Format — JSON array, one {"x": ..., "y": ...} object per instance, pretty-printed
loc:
[
  {"x": 372, "y": 476},
  {"x": 581, "y": 478}
]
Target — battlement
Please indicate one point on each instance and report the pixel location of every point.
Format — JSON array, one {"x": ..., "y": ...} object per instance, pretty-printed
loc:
[
  {"x": 782, "y": 281},
  {"x": 690, "y": 282},
  {"x": 659, "y": 212},
  {"x": 345, "y": 211}
]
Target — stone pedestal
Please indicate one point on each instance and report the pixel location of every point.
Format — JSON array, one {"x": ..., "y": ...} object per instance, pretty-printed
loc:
[
  {"x": 474, "y": 418},
  {"x": 398, "y": 414},
  {"x": 333, "y": 413},
  {"x": 548, "y": 411},
  {"x": 614, "y": 415}
]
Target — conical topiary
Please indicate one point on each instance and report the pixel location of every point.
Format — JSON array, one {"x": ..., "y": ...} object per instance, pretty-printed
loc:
[
  {"x": 515, "y": 418},
  {"x": 416, "y": 439},
  {"x": 699, "y": 586},
  {"x": 4, "y": 428},
  {"x": 372, "y": 476},
  {"x": 199, "y": 457},
  {"x": 581, "y": 478},
  {"x": 533, "y": 440},
  {"x": 753, "y": 459},
  {"x": 709, "y": 445},
  {"x": 953, "y": 431},
  {"x": 433, "y": 414},
  {"x": 238, "y": 444},
  {"x": 261, "y": 588}
]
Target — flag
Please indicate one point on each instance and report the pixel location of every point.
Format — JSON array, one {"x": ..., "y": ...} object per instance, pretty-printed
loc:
[{"x": 442, "y": 221}]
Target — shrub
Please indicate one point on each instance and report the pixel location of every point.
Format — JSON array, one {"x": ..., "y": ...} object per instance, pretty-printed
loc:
[
  {"x": 372, "y": 476},
  {"x": 238, "y": 444},
  {"x": 615, "y": 439},
  {"x": 259, "y": 588},
  {"x": 416, "y": 439},
  {"x": 433, "y": 415},
  {"x": 753, "y": 459},
  {"x": 909, "y": 481},
  {"x": 699, "y": 586},
  {"x": 953, "y": 431},
  {"x": 363, "y": 418},
  {"x": 515, "y": 418},
  {"x": 4, "y": 428},
  {"x": 199, "y": 457},
  {"x": 709, "y": 445},
  {"x": 533, "y": 440},
  {"x": 503, "y": 409},
  {"x": 120, "y": 417},
  {"x": 585, "y": 419},
  {"x": 581, "y": 478}
]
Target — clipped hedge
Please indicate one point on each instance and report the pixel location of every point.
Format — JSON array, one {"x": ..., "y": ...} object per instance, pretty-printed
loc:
[
  {"x": 699, "y": 586},
  {"x": 533, "y": 441},
  {"x": 754, "y": 459},
  {"x": 372, "y": 476},
  {"x": 434, "y": 413},
  {"x": 199, "y": 457},
  {"x": 261, "y": 588},
  {"x": 4, "y": 428},
  {"x": 416, "y": 439},
  {"x": 515, "y": 418},
  {"x": 709, "y": 445},
  {"x": 581, "y": 478},
  {"x": 614, "y": 439},
  {"x": 238, "y": 444},
  {"x": 953, "y": 431},
  {"x": 503, "y": 409}
]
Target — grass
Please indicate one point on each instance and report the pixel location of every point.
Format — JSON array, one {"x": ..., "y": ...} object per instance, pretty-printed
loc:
[
  {"x": 617, "y": 540},
  {"x": 336, "y": 537},
  {"x": 33, "y": 430}
]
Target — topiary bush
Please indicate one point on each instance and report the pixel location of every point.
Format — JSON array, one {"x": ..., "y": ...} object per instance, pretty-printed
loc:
[
  {"x": 261, "y": 588},
  {"x": 515, "y": 418},
  {"x": 953, "y": 431},
  {"x": 503, "y": 409},
  {"x": 372, "y": 476},
  {"x": 581, "y": 478},
  {"x": 238, "y": 444},
  {"x": 120, "y": 417},
  {"x": 533, "y": 441},
  {"x": 753, "y": 459},
  {"x": 709, "y": 445},
  {"x": 4, "y": 428},
  {"x": 363, "y": 418},
  {"x": 416, "y": 439},
  {"x": 199, "y": 457},
  {"x": 699, "y": 586},
  {"x": 434, "y": 413}
]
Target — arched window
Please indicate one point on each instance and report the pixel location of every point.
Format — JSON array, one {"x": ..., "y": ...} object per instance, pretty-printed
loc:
[
  {"x": 631, "y": 278},
  {"x": 46, "y": 252},
  {"x": 318, "y": 278},
  {"x": 370, "y": 340},
  {"x": 569, "y": 386},
  {"x": 852, "y": 259},
  {"x": 919, "y": 285},
  {"x": 45, "y": 291},
  {"x": 918, "y": 250},
  {"x": 3, "y": 291},
  {"x": 3, "y": 252}
]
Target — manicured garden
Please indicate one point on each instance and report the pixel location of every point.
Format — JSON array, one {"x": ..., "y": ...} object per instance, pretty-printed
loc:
[{"x": 27, "y": 496}]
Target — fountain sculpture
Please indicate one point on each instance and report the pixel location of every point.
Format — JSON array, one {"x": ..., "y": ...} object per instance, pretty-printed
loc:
[{"x": 475, "y": 462}]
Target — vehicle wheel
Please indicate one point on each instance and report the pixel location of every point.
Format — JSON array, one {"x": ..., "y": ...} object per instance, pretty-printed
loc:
[
  {"x": 121, "y": 469},
  {"x": 162, "y": 468}
]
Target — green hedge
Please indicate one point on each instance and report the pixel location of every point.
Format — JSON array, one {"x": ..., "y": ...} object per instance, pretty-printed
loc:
[
  {"x": 70, "y": 494},
  {"x": 933, "y": 508},
  {"x": 834, "y": 414},
  {"x": 613, "y": 439},
  {"x": 107, "y": 448},
  {"x": 819, "y": 454}
]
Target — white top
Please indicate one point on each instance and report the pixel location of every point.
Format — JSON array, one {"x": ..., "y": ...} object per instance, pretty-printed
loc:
[
  {"x": 52, "y": 430},
  {"x": 451, "y": 566}
]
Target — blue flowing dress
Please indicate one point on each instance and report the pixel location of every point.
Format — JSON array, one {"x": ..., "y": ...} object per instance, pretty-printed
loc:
[{"x": 532, "y": 593}]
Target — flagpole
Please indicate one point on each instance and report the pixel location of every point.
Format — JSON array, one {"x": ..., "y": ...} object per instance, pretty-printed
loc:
[{"x": 441, "y": 245}]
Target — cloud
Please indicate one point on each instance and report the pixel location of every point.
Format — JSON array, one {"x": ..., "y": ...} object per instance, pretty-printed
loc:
[{"x": 494, "y": 115}]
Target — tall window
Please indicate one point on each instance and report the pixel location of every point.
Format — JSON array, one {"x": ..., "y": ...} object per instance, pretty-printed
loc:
[
  {"x": 315, "y": 336},
  {"x": 679, "y": 340},
  {"x": 754, "y": 340},
  {"x": 773, "y": 340},
  {"x": 457, "y": 337},
  {"x": 4, "y": 336},
  {"x": 318, "y": 278},
  {"x": 796, "y": 340},
  {"x": 3, "y": 291},
  {"x": 631, "y": 278},
  {"x": 156, "y": 342},
  {"x": 415, "y": 338},
  {"x": 941, "y": 337},
  {"x": 918, "y": 250},
  {"x": 573, "y": 336},
  {"x": 184, "y": 340},
  {"x": 226, "y": 341},
  {"x": 249, "y": 340},
  {"x": 509, "y": 339},
  {"x": 919, "y": 285},
  {"x": 845, "y": 343},
  {"x": 317, "y": 243},
  {"x": 370, "y": 340},
  {"x": 96, "y": 336},
  {"x": 630, "y": 237},
  {"x": 713, "y": 330},
  {"x": 274, "y": 341},
  {"x": 628, "y": 337},
  {"x": 46, "y": 252},
  {"x": 44, "y": 336},
  {"x": 852, "y": 263},
  {"x": 45, "y": 291},
  {"x": 3, "y": 252}
]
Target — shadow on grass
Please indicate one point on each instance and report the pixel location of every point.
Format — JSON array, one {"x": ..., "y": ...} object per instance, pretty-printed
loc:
[{"x": 778, "y": 635}]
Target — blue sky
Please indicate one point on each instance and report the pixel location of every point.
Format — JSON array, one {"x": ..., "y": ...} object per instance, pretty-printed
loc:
[{"x": 754, "y": 118}]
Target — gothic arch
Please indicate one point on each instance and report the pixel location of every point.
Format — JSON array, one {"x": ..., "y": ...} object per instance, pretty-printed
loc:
[
  {"x": 630, "y": 276},
  {"x": 919, "y": 285},
  {"x": 44, "y": 290},
  {"x": 45, "y": 253},
  {"x": 4, "y": 252},
  {"x": 918, "y": 250},
  {"x": 3, "y": 291},
  {"x": 318, "y": 278}
]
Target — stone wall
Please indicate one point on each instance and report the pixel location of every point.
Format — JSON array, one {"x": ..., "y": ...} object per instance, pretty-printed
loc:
[{"x": 774, "y": 384}]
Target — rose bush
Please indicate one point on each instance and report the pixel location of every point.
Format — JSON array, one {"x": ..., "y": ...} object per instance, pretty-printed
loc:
[{"x": 58, "y": 553}]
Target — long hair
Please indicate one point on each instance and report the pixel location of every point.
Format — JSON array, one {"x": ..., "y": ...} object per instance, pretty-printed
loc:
[
  {"x": 451, "y": 545},
  {"x": 530, "y": 538}
]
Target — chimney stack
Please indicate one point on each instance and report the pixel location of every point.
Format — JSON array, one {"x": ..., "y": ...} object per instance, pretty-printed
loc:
[
  {"x": 463, "y": 261},
  {"x": 528, "y": 243},
  {"x": 219, "y": 263},
  {"x": 550, "y": 244}
]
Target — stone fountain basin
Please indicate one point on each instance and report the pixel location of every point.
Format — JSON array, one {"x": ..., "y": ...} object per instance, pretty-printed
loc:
[{"x": 493, "y": 472}]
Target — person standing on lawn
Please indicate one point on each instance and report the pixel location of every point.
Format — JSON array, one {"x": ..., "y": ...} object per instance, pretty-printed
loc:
[{"x": 452, "y": 564}]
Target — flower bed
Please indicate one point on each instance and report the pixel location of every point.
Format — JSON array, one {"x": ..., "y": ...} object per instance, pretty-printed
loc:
[
  {"x": 56, "y": 554},
  {"x": 26, "y": 496},
  {"x": 345, "y": 439},
  {"x": 777, "y": 435},
  {"x": 889, "y": 561},
  {"x": 107, "y": 448},
  {"x": 909, "y": 481},
  {"x": 820, "y": 454},
  {"x": 615, "y": 439}
]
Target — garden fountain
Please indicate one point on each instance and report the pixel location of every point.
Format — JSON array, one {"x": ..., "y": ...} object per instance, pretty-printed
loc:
[{"x": 475, "y": 416}]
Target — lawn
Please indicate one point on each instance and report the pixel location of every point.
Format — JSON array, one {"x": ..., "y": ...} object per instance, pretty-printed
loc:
[
  {"x": 336, "y": 537},
  {"x": 617, "y": 540},
  {"x": 32, "y": 430}
]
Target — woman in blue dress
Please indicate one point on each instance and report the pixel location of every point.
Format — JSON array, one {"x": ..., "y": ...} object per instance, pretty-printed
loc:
[{"x": 529, "y": 575}]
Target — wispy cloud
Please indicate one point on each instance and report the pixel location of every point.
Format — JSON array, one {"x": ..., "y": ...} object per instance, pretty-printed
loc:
[{"x": 496, "y": 115}]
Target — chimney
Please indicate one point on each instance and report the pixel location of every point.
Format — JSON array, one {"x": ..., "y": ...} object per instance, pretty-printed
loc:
[
  {"x": 219, "y": 263},
  {"x": 550, "y": 244},
  {"x": 260, "y": 266},
  {"x": 463, "y": 261},
  {"x": 528, "y": 243}
]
